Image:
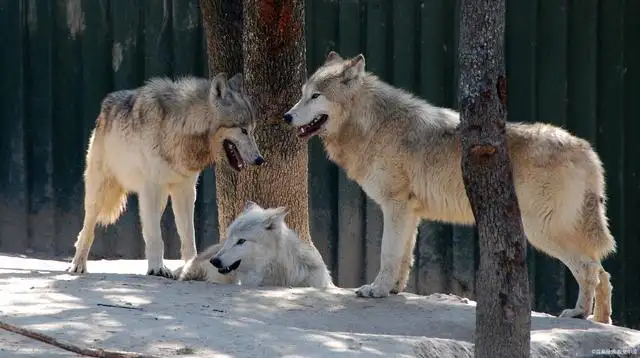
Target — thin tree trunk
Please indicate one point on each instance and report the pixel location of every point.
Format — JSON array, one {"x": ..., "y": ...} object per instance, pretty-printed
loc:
[
  {"x": 503, "y": 317},
  {"x": 273, "y": 52}
]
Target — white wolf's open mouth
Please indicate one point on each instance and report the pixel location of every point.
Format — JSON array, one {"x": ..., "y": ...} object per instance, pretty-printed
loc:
[
  {"x": 228, "y": 269},
  {"x": 309, "y": 130},
  {"x": 233, "y": 155}
]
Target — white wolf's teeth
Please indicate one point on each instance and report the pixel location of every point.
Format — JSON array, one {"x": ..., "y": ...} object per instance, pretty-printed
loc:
[{"x": 302, "y": 130}]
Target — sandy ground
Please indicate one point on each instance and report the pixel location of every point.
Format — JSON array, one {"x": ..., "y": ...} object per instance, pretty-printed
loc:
[{"x": 171, "y": 318}]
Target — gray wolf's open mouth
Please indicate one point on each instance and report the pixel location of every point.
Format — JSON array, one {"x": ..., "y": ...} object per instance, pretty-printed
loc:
[
  {"x": 226, "y": 270},
  {"x": 233, "y": 155},
  {"x": 309, "y": 130}
]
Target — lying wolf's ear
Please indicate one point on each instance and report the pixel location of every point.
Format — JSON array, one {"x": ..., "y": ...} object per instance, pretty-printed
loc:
[
  {"x": 354, "y": 68},
  {"x": 275, "y": 217},
  {"x": 236, "y": 83},
  {"x": 250, "y": 205},
  {"x": 218, "y": 86},
  {"x": 333, "y": 56}
]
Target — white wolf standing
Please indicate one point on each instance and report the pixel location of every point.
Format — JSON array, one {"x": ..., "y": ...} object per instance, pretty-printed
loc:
[
  {"x": 405, "y": 154},
  {"x": 260, "y": 250},
  {"x": 154, "y": 141}
]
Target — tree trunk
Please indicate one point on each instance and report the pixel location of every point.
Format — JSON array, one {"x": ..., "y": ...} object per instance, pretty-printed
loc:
[
  {"x": 503, "y": 317},
  {"x": 273, "y": 52},
  {"x": 222, "y": 20},
  {"x": 223, "y": 25}
]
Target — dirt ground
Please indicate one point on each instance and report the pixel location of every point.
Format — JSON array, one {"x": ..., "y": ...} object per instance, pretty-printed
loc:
[{"x": 195, "y": 319}]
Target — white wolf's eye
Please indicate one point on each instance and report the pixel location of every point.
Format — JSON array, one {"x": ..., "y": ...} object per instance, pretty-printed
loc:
[
  {"x": 244, "y": 131},
  {"x": 315, "y": 95},
  {"x": 241, "y": 241}
]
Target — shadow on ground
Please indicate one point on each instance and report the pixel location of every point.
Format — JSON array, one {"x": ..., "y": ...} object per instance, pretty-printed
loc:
[{"x": 170, "y": 318}]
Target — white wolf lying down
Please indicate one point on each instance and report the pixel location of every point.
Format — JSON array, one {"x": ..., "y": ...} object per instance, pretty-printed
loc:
[{"x": 260, "y": 250}]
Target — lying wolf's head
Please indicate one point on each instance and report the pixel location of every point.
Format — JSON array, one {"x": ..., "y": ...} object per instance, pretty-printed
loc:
[
  {"x": 326, "y": 94},
  {"x": 252, "y": 239},
  {"x": 237, "y": 121}
]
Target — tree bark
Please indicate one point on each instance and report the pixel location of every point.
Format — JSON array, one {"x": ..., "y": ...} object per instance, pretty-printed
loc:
[
  {"x": 273, "y": 53},
  {"x": 223, "y": 25},
  {"x": 503, "y": 317},
  {"x": 222, "y": 20}
]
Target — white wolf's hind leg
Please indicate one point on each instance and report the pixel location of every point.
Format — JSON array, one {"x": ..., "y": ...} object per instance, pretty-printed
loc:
[
  {"x": 397, "y": 224},
  {"x": 104, "y": 200},
  {"x": 84, "y": 241},
  {"x": 152, "y": 201},
  {"x": 585, "y": 270},
  {"x": 183, "y": 199}
]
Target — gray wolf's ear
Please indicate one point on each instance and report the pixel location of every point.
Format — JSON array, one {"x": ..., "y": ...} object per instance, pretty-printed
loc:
[
  {"x": 275, "y": 217},
  {"x": 236, "y": 83},
  {"x": 250, "y": 205},
  {"x": 354, "y": 68},
  {"x": 333, "y": 56},
  {"x": 218, "y": 86}
]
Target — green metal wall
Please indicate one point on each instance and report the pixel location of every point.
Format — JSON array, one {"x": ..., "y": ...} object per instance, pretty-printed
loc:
[{"x": 574, "y": 63}]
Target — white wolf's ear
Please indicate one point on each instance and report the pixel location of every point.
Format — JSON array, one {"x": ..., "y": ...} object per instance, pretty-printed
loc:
[
  {"x": 275, "y": 217},
  {"x": 236, "y": 83},
  {"x": 218, "y": 86},
  {"x": 333, "y": 56},
  {"x": 250, "y": 205},
  {"x": 354, "y": 68}
]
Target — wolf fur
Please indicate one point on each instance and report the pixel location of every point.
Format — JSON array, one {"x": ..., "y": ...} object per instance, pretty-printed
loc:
[
  {"x": 154, "y": 141},
  {"x": 260, "y": 250},
  {"x": 405, "y": 154}
]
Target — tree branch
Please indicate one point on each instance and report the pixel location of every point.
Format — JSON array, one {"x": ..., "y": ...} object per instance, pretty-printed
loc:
[{"x": 90, "y": 352}]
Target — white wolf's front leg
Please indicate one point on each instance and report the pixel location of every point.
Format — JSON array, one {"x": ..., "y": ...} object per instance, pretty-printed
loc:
[
  {"x": 183, "y": 198},
  {"x": 397, "y": 225},
  {"x": 152, "y": 201}
]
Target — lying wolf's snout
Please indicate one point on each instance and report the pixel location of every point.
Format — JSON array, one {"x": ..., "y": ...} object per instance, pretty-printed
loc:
[
  {"x": 259, "y": 161},
  {"x": 216, "y": 262},
  {"x": 288, "y": 118}
]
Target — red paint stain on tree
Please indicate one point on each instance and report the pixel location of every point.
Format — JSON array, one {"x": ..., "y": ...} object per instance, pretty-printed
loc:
[
  {"x": 502, "y": 90},
  {"x": 277, "y": 17}
]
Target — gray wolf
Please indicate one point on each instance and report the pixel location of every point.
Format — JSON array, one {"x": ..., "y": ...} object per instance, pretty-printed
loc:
[
  {"x": 154, "y": 141},
  {"x": 405, "y": 154},
  {"x": 260, "y": 250}
]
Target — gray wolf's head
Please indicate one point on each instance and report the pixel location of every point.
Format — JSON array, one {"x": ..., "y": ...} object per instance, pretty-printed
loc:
[
  {"x": 326, "y": 94},
  {"x": 252, "y": 239},
  {"x": 237, "y": 121}
]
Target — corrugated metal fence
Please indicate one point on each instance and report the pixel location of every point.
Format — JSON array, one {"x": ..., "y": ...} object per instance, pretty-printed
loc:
[{"x": 572, "y": 63}]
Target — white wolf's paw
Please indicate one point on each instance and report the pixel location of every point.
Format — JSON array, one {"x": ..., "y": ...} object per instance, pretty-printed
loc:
[
  {"x": 79, "y": 267},
  {"x": 161, "y": 271},
  {"x": 572, "y": 313},
  {"x": 373, "y": 290},
  {"x": 397, "y": 288}
]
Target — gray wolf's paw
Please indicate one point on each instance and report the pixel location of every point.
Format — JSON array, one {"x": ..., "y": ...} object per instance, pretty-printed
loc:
[
  {"x": 572, "y": 313},
  {"x": 605, "y": 319},
  {"x": 161, "y": 271},
  {"x": 79, "y": 267},
  {"x": 373, "y": 290}
]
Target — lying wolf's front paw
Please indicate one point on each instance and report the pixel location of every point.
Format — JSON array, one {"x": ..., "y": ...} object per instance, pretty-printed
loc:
[
  {"x": 372, "y": 290},
  {"x": 161, "y": 271},
  {"x": 572, "y": 313},
  {"x": 77, "y": 267}
]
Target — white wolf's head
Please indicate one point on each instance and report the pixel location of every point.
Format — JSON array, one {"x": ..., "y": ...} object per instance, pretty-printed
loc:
[
  {"x": 326, "y": 93},
  {"x": 252, "y": 239},
  {"x": 237, "y": 121}
]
